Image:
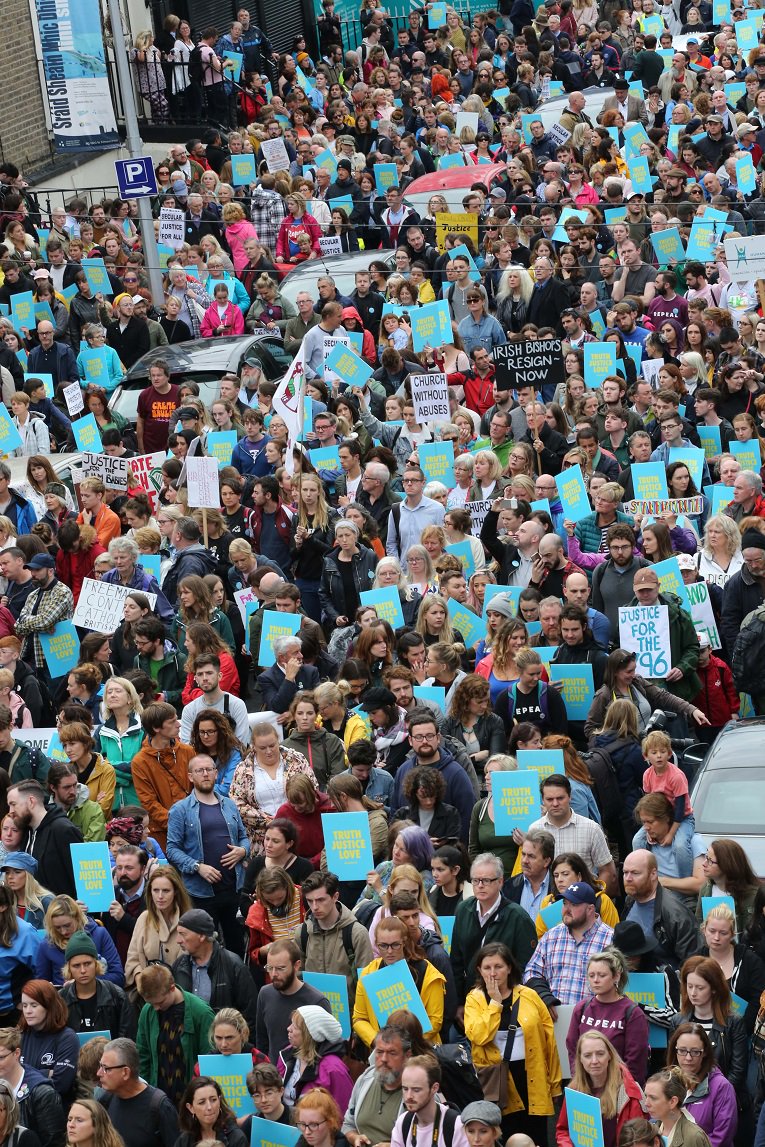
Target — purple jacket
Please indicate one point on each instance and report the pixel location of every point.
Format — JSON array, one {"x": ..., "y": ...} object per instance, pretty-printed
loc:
[
  {"x": 329, "y": 1071},
  {"x": 713, "y": 1105}
]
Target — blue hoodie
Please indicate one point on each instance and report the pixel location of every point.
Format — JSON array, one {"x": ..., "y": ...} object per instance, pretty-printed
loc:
[{"x": 50, "y": 959}]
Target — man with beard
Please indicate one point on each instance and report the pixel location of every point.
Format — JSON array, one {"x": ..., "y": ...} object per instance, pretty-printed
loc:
[
  {"x": 376, "y": 1100},
  {"x": 423, "y": 1112},
  {"x": 129, "y": 896},
  {"x": 48, "y": 836},
  {"x": 73, "y": 797},
  {"x": 666, "y": 303},
  {"x": 279, "y": 999},
  {"x": 207, "y": 842},
  {"x": 612, "y": 581}
]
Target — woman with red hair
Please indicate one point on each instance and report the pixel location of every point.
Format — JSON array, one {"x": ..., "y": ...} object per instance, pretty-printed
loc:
[{"x": 45, "y": 1038}]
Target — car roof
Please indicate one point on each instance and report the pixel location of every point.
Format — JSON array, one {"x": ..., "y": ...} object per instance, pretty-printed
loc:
[
  {"x": 218, "y": 354},
  {"x": 737, "y": 745}
]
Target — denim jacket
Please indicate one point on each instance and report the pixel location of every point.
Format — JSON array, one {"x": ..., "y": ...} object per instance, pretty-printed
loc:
[{"x": 184, "y": 842}]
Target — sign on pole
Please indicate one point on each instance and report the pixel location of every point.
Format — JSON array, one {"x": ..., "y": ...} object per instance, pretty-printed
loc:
[
  {"x": 202, "y": 478},
  {"x": 644, "y": 631},
  {"x": 113, "y": 472},
  {"x": 430, "y": 395},
  {"x": 135, "y": 177},
  {"x": 531, "y": 363}
]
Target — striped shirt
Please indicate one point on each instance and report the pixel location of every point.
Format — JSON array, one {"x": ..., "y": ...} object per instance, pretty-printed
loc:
[
  {"x": 562, "y": 961},
  {"x": 580, "y": 835}
]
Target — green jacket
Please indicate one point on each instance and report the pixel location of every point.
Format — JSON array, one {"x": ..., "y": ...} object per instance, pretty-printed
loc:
[
  {"x": 195, "y": 1039},
  {"x": 88, "y": 816},
  {"x": 119, "y": 752},
  {"x": 171, "y": 676},
  {"x": 684, "y": 648},
  {"x": 27, "y": 763}
]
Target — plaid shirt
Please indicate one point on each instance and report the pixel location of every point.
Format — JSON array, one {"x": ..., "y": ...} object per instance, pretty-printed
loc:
[
  {"x": 39, "y": 614},
  {"x": 267, "y": 210},
  {"x": 562, "y": 961},
  {"x": 580, "y": 835}
]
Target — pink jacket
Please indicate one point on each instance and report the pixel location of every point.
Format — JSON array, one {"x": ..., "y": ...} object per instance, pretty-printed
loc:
[
  {"x": 237, "y": 235},
  {"x": 233, "y": 320}
]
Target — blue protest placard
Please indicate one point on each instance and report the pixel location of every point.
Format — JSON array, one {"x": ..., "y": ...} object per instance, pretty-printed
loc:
[
  {"x": 463, "y": 551},
  {"x": 230, "y": 1071},
  {"x": 635, "y": 136},
  {"x": 327, "y": 160},
  {"x": 437, "y": 462},
  {"x": 325, "y": 458},
  {"x": 335, "y": 988},
  {"x": 552, "y": 913},
  {"x": 543, "y": 762},
  {"x": 243, "y": 170},
  {"x": 345, "y": 363},
  {"x": 387, "y": 603},
  {"x": 649, "y": 988},
  {"x": 599, "y": 363},
  {"x": 585, "y": 1122},
  {"x": 451, "y": 160},
  {"x": 709, "y": 437},
  {"x": 435, "y": 694},
  {"x": 668, "y": 245},
  {"x": 151, "y": 564},
  {"x": 693, "y": 456},
  {"x": 220, "y": 444},
  {"x": 649, "y": 480},
  {"x": 87, "y": 435},
  {"x": 431, "y": 325},
  {"x": 560, "y": 234},
  {"x": 512, "y": 591},
  {"x": 573, "y": 494},
  {"x": 392, "y": 988},
  {"x": 61, "y": 649},
  {"x": 671, "y": 580},
  {"x": 45, "y": 379},
  {"x": 93, "y": 875},
  {"x": 747, "y": 35},
  {"x": 738, "y": 1004},
  {"x": 436, "y": 16},
  {"x": 43, "y": 311},
  {"x": 721, "y": 12},
  {"x": 464, "y": 251},
  {"x": 578, "y": 688},
  {"x": 348, "y": 844},
  {"x": 705, "y": 235},
  {"x": 640, "y": 174},
  {"x": 746, "y": 179},
  {"x": 23, "y": 311},
  {"x": 10, "y": 439},
  {"x": 747, "y": 453},
  {"x": 386, "y": 175},
  {"x": 710, "y": 902},
  {"x": 275, "y": 625},
  {"x": 516, "y": 800},
  {"x": 644, "y": 631},
  {"x": 97, "y": 276},
  {"x": 446, "y": 923},
  {"x": 235, "y": 58},
  {"x": 266, "y": 1133},
  {"x": 95, "y": 365},
  {"x": 615, "y": 214},
  {"x": 635, "y": 351},
  {"x": 719, "y": 497},
  {"x": 472, "y": 627}
]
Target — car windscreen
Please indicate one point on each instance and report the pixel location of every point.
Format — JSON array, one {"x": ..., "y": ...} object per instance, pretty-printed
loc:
[{"x": 729, "y": 802}]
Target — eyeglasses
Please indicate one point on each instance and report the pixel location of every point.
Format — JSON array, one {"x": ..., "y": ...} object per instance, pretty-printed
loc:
[
  {"x": 313, "y": 1126},
  {"x": 481, "y": 880},
  {"x": 102, "y": 1067},
  {"x": 691, "y": 1053},
  {"x": 389, "y": 947},
  {"x": 707, "y": 859}
]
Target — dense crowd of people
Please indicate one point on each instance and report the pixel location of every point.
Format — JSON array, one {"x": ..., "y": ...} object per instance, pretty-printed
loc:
[{"x": 212, "y": 755}]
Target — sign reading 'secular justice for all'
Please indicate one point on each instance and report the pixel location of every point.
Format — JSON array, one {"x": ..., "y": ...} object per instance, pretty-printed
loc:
[{"x": 531, "y": 363}]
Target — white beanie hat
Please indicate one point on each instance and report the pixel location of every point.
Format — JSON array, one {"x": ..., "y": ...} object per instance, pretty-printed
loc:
[{"x": 321, "y": 1025}]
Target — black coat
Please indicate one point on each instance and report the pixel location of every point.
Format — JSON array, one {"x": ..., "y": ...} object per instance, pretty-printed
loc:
[
  {"x": 547, "y": 304},
  {"x": 550, "y": 459},
  {"x": 232, "y": 984},
  {"x": 445, "y": 824},
  {"x": 131, "y": 343},
  {"x": 488, "y": 729},
  {"x": 49, "y": 845},
  {"x": 114, "y": 1011}
]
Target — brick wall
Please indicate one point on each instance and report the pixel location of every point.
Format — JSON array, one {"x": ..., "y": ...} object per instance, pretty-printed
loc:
[{"x": 23, "y": 133}]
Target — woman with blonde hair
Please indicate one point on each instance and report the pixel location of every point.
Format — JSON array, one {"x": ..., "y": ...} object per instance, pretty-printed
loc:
[
  {"x": 720, "y": 557},
  {"x": 120, "y": 736},
  {"x": 147, "y": 61},
  {"x": 741, "y": 967},
  {"x": 389, "y": 573},
  {"x": 155, "y": 936},
  {"x": 32, "y": 900},
  {"x": 63, "y": 918},
  {"x": 510, "y": 636},
  {"x": 404, "y": 878},
  {"x": 433, "y": 622},
  {"x": 598, "y": 1071},
  {"x": 312, "y": 539},
  {"x": 313, "y": 1057},
  {"x": 609, "y": 1008},
  {"x": 88, "y": 1125},
  {"x": 421, "y": 573},
  {"x": 331, "y": 697},
  {"x": 487, "y": 476}
]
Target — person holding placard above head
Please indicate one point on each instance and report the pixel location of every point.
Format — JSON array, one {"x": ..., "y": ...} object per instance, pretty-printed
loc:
[
  {"x": 598, "y": 1071},
  {"x": 711, "y": 1100}
]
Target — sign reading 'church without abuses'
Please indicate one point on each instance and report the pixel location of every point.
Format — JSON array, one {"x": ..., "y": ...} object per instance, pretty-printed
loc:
[{"x": 535, "y": 362}]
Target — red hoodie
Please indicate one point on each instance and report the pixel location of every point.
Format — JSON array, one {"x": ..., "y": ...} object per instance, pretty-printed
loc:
[
  {"x": 717, "y": 697},
  {"x": 310, "y": 834}
]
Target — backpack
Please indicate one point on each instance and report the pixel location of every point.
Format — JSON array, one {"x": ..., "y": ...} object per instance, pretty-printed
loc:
[
  {"x": 155, "y": 1103},
  {"x": 748, "y": 661},
  {"x": 449, "y": 1122},
  {"x": 196, "y": 66},
  {"x": 459, "y": 1080},
  {"x": 603, "y": 773},
  {"x": 347, "y": 938}
]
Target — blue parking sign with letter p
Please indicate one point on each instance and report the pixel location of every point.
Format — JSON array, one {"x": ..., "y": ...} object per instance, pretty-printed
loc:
[{"x": 135, "y": 177}]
